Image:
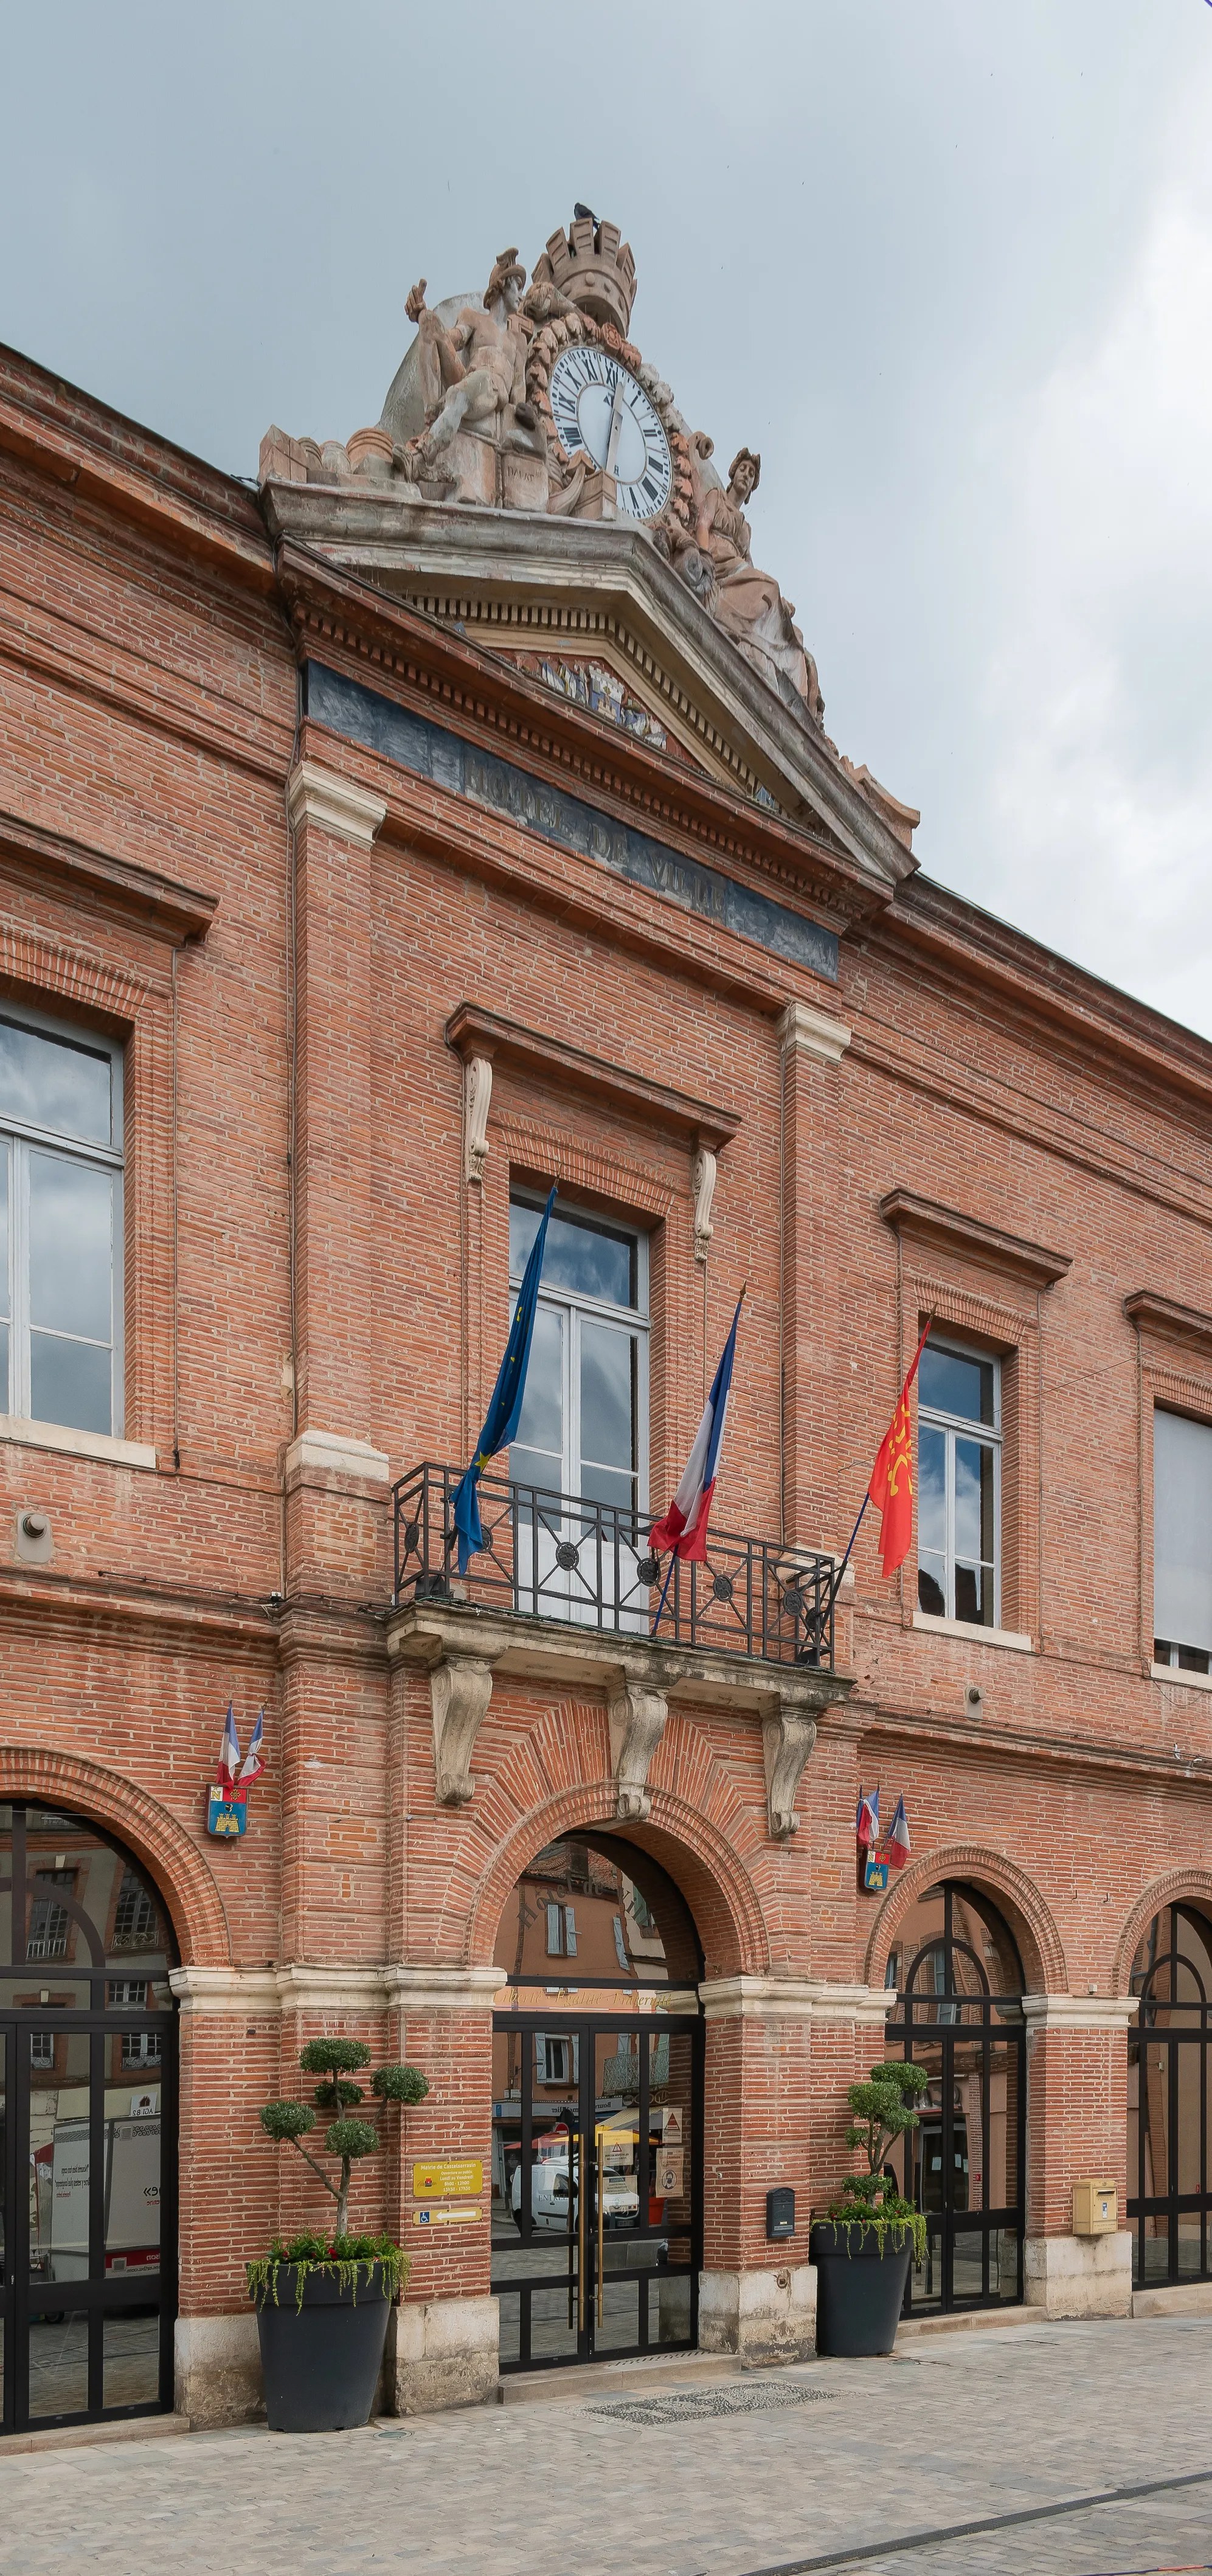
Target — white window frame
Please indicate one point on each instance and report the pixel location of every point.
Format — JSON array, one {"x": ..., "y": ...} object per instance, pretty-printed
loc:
[
  {"x": 18, "y": 1139},
  {"x": 989, "y": 1435},
  {"x": 633, "y": 1320}
]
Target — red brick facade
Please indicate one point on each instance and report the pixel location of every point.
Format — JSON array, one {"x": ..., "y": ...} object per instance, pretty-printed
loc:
[{"x": 304, "y": 1255}]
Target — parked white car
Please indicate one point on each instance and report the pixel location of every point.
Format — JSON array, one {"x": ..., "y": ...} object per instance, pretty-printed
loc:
[{"x": 549, "y": 2196}]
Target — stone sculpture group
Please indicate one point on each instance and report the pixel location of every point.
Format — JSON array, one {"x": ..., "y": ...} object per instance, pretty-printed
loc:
[{"x": 468, "y": 419}]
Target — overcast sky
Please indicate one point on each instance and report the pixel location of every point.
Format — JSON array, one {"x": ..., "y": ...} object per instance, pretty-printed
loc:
[{"x": 949, "y": 266}]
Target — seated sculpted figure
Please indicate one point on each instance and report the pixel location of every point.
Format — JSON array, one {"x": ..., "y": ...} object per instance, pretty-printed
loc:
[
  {"x": 471, "y": 376},
  {"x": 747, "y": 603}
]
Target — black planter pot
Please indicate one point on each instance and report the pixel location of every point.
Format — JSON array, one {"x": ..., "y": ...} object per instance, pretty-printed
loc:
[
  {"x": 859, "y": 2291},
  {"x": 321, "y": 2360}
]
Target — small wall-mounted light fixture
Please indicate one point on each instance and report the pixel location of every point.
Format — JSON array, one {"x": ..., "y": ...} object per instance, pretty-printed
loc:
[
  {"x": 975, "y": 1696},
  {"x": 35, "y": 1545}
]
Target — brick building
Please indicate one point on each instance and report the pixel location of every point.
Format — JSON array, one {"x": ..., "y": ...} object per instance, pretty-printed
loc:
[{"x": 371, "y": 861}]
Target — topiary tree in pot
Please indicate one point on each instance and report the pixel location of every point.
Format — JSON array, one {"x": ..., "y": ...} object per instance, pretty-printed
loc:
[
  {"x": 862, "y": 2246},
  {"x": 322, "y": 2342}
]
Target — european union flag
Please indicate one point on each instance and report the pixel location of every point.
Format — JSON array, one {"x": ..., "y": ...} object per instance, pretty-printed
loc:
[{"x": 505, "y": 1410}]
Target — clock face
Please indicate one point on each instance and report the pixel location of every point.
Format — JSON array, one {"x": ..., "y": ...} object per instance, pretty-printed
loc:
[{"x": 605, "y": 418}]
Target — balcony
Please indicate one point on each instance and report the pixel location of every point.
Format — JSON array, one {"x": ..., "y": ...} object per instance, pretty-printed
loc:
[
  {"x": 567, "y": 1591},
  {"x": 560, "y": 1556}
]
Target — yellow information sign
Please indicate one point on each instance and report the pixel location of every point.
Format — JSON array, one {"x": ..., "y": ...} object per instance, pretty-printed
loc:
[
  {"x": 442, "y": 2216},
  {"x": 447, "y": 2177}
]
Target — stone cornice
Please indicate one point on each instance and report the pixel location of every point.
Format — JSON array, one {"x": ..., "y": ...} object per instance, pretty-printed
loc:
[
  {"x": 153, "y": 901},
  {"x": 101, "y": 456},
  {"x": 345, "y": 622},
  {"x": 334, "y": 803},
  {"x": 1092, "y": 1018},
  {"x": 1160, "y": 1315},
  {"x": 924, "y": 1221},
  {"x": 804, "y": 1031},
  {"x": 306, "y": 1987},
  {"x": 1051, "y": 2013},
  {"x": 554, "y": 1651},
  {"x": 472, "y": 1031},
  {"x": 776, "y": 1998},
  {"x": 444, "y": 1989},
  {"x": 995, "y": 1743},
  {"x": 334, "y": 1453}
]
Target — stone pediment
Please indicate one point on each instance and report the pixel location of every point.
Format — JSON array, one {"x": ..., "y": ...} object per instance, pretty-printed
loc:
[
  {"x": 578, "y": 591},
  {"x": 531, "y": 482}
]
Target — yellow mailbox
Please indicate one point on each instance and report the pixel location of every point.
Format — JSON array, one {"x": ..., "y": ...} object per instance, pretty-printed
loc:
[{"x": 1095, "y": 2208}]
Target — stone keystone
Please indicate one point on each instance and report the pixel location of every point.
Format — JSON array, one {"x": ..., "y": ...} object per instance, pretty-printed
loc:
[
  {"x": 637, "y": 1723},
  {"x": 787, "y": 1741}
]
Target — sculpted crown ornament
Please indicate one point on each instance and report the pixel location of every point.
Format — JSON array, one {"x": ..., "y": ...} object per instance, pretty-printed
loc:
[
  {"x": 535, "y": 400},
  {"x": 592, "y": 266}
]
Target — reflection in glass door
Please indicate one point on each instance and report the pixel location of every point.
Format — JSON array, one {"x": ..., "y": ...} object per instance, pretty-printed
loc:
[
  {"x": 88, "y": 2039},
  {"x": 596, "y": 2205},
  {"x": 959, "y": 2015}
]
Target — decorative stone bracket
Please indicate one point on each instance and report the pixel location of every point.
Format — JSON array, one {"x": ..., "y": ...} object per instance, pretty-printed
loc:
[
  {"x": 787, "y": 1741},
  {"x": 477, "y": 1096},
  {"x": 460, "y": 1689},
  {"x": 462, "y": 1648},
  {"x": 637, "y": 1723}
]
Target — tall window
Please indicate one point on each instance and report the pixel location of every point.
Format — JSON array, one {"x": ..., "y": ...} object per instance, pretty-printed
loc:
[
  {"x": 1182, "y": 1542},
  {"x": 584, "y": 1426},
  {"x": 959, "y": 1444},
  {"x": 60, "y": 1226}
]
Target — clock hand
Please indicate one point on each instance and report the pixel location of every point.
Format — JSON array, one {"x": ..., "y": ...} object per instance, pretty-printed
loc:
[{"x": 616, "y": 423}]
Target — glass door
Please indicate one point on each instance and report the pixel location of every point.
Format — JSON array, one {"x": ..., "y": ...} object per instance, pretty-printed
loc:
[
  {"x": 88, "y": 2035},
  {"x": 1169, "y": 2110},
  {"x": 596, "y": 2201},
  {"x": 959, "y": 2016}
]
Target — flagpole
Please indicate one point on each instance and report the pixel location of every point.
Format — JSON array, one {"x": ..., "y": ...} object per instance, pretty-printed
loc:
[
  {"x": 836, "y": 1585},
  {"x": 668, "y": 1580}
]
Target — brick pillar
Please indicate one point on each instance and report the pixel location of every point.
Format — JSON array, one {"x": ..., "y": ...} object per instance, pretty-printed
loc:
[
  {"x": 334, "y": 1475},
  {"x": 229, "y": 2184},
  {"x": 1077, "y": 2128},
  {"x": 447, "y": 2327},
  {"x": 812, "y": 1049},
  {"x": 780, "y": 2054}
]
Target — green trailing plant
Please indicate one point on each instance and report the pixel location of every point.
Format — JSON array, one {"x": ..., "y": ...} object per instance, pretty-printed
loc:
[
  {"x": 345, "y": 2256},
  {"x": 350, "y": 2138},
  {"x": 883, "y": 2110}
]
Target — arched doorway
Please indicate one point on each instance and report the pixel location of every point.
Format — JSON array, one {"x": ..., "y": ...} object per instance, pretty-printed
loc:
[
  {"x": 597, "y": 2109},
  {"x": 959, "y": 2013},
  {"x": 89, "y": 2094},
  {"x": 1169, "y": 2151}
]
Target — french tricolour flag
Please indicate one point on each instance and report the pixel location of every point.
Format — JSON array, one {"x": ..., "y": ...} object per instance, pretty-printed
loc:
[
  {"x": 867, "y": 1821},
  {"x": 684, "y": 1529},
  {"x": 229, "y": 1752},
  {"x": 254, "y": 1760},
  {"x": 898, "y": 1839}
]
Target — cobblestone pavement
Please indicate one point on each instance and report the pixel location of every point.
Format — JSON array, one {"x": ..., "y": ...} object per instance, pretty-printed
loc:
[{"x": 956, "y": 2431}]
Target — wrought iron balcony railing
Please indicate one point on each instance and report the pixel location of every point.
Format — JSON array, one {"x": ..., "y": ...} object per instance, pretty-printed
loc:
[{"x": 564, "y": 1556}]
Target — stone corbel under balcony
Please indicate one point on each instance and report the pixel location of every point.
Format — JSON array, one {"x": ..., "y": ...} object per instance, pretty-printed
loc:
[{"x": 463, "y": 1648}]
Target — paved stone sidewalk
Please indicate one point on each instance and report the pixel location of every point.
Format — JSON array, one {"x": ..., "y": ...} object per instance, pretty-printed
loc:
[{"x": 968, "y": 2426}]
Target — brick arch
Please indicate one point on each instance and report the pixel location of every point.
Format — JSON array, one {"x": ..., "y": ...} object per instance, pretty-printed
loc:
[
  {"x": 172, "y": 1860},
  {"x": 537, "y": 1795},
  {"x": 1179, "y": 1887},
  {"x": 1019, "y": 1899}
]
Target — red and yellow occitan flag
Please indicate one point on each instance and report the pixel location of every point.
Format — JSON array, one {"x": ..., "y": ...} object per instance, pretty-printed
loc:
[{"x": 891, "y": 1486}]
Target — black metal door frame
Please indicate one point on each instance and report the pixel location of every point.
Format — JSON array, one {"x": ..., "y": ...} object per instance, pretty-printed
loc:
[
  {"x": 1172, "y": 2204},
  {"x": 917, "y": 2032},
  {"x": 99, "y": 2295},
  {"x": 584, "y": 2279}
]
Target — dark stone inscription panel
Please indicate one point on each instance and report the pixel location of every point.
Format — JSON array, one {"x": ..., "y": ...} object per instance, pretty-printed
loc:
[{"x": 362, "y": 715}]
